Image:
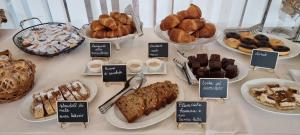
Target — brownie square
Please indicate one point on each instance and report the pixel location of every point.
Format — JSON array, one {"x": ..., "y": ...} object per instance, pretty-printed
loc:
[
  {"x": 226, "y": 62},
  {"x": 217, "y": 74},
  {"x": 203, "y": 59},
  {"x": 215, "y": 65},
  {"x": 202, "y": 72},
  {"x": 215, "y": 57},
  {"x": 231, "y": 71},
  {"x": 195, "y": 65},
  {"x": 192, "y": 58}
]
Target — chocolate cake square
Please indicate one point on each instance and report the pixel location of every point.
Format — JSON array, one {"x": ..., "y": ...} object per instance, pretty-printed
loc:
[
  {"x": 215, "y": 65},
  {"x": 231, "y": 71},
  {"x": 215, "y": 57},
  {"x": 195, "y": 65},
  {"x": 192, "y": 58},
  {"x": 202, "y": 72},
  {"x": 203, "y": 59},
  {"x": 217, "y": 74},
  {"x": 226, "y": 62}
]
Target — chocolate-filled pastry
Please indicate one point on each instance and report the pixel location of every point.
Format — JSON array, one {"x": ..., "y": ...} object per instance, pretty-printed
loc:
[
  {"x": 231, "y": 71},
  {"x": 261, "y": 37},
  {"x": 247, "y": 48},
  {"x": 233, "y": 35},
  {"x": 248, "y": 41},
  {"x": 215, "y": 57},
  {"x": 202, "y": 72},
  {"x": 282, "y": 50},
  {"x": 225, "y": 62},
  {"x": 215, "y": 65},
  {"x": 217, "y": 74},
  {"x": 203, "y": 59}
]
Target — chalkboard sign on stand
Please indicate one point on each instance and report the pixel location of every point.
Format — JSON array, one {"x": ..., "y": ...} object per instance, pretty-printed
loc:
[
  {"x": 114, "y": 73},
  {"x": 264, "y": 59},
  {"x": 100, "y": 49},
  {"x": 158, "y": 50},
  {"x": 72, "y": 112},
  {"x": 213, "y": 88}
]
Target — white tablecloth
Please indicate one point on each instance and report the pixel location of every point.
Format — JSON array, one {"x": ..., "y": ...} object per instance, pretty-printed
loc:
[{"x": 235, "y": 116}]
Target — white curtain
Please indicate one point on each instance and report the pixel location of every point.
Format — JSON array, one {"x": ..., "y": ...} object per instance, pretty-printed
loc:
[{"x": 221, "y": 12}]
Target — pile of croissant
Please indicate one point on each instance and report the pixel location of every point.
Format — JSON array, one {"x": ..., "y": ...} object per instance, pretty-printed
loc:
[
  {"x": 187, "y": 25},
  {"x": 110, "y": 26}
]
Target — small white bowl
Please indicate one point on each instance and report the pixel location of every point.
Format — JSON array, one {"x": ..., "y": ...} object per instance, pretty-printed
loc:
[
  {"x": 95, "y": 66},
  {"x": 153, "y": 64},
  {"x": 134, "y": 66}
]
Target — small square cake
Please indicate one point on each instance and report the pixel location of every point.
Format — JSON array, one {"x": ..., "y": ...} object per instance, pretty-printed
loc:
[
  {"x": 217, "y": 74},
  {"x": 202, "y": 72},
  {"x": 215, "y": 65},
  {"x": 231, "y": 71},
  {"x": 195, "y": 66},
  {"x": 215, "y": 57},
  {"x": 226, "y": 62},
  {"x": 203, "y": 59}
]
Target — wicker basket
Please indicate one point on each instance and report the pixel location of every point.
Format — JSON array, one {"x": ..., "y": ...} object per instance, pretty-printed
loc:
[{"x": 16, "y": 77}]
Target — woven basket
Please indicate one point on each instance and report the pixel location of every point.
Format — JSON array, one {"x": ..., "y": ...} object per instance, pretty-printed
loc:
[{"x": 16, "y": 78}]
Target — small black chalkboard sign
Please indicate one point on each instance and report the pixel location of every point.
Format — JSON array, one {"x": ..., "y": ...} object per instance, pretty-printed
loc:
[
  {"x": 100, "y": 49},
  {"x": 68, "y": 111},
  {"x": 158, "y": 50},
  {"x": 264, "y": 59},
  {"x": 190, "y": 111},
  {"x": 114, "y": 73},
  {"x": 213, "y": 88}
]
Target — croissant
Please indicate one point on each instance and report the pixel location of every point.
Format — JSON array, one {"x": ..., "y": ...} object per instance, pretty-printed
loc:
[
  {"x": 180, "y": 36},
  {"x": 193, "y": 12},
  {"x": 96, "y": 26},
  {"x": 207, "y": 31},
  {"x": 108, "y": 22},
  {"x": 99, "y": 34},
  {"x": 121, "y": 17},
  {"x": 170, "y": 22},
  {"x": 189, "y": 25}
]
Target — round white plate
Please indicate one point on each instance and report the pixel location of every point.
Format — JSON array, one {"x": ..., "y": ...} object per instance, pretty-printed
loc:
[
  {"x": 294, "y": 47},
  {"x": 25, "y": 107},
  {"x": 164, "y": 36},
  {"x": 243, "y": 72},
  {"x": 262, "y": 82},
  {"x": 116, "y": 118}
]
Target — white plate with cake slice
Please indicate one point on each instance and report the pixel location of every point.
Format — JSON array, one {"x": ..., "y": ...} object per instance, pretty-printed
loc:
[
  {"x": 265, "y": 104},
  {"x": 26, "y": 111},
  {"x": 294, "y": 47},
  {"x": 116, "y": 118}
]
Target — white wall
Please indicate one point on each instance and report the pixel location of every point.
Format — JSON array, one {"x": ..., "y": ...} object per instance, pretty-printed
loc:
[{"x": 222, "y": 12}]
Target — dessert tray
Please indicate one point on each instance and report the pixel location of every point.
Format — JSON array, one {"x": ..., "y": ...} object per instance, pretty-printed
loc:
[
  {"x": 260, "y": 85},
  {"x": 16, "y": 77},
  {"x": 115, "y": 117},
  {"x": 47, "y": 39},
  {"x": 294, "y": 47},
  {"x": 26, "y": 110}
]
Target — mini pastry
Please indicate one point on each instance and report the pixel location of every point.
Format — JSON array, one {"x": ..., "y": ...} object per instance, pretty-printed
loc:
[
  {"x": 74, "y": 91},
  {"x": 207, "y": 31},
  {"x": 276, "y": 42},
  {"x": 232, "y": 42},
  {"x": 81, "y": 89},
  {"x": 47, "y": 105},
  {"x": 233, "y": 35},
  {"x": 66, "y": 93},
  {"x": 37, "y": 107},
  {"x": 180, "y": 36},
  {"x": 282, "y": 50},
  {"x": 231, "y": 71},
  {"x": 257, "y": 91},
  {"x": 135, "y": 66},
  {"x": 217, "y": 74},
  {"x": 95, "y": 66},
  {"x": 190, "y": 25},
  {"x": 170, "y": 22},
  {"x": 246, "y": 34},
  {"x": 153, "y": 64},
  {"x": 96, "y": 26},
  {"x": 261, "y": 37},
  {"x": 193, "y": 12},
  {"x": 246, "y": 48},
  {"x": 267, "y": 100},
  {"x": 108, "y": 22},
  {"x": 288, "y": 103},
  {"x": 203, "y": 59},
  {"x": 215, "y": 57}
]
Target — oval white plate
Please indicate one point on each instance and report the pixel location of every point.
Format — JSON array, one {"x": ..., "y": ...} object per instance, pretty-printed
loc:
[
  {"x": 116, "y": 118},
  {"x": 25, "y": 108},
  {"x": 243, "y": 72},
  {"x": 164, "y": 36},
  {"x": 261, "y": 82},
  {"x": 294, "y": 47}
]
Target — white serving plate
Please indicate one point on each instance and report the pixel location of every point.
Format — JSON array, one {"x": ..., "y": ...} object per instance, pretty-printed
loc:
[
  {"x": 261, "y": 82},
  {"x": 295, "y": 74},
  {"x": 243, "y": 72},
  {"x": 116, "y": 118},
  {"x": 294, "y": 47},
  {"x": 25, "y": 107},
  {"x": 164, "y": 36},
  {"x": 145, "y": 71}
]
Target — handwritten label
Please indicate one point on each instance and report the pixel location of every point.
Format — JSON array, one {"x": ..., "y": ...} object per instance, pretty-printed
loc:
[
  {"x": 187, "y": 111},
  {"x": 101, "y": 49},
  {"x": 213, "y": 87},
  {"x": 264, "y": 59},
  {"x": 158, "y": 50},
  {"x": 114, "y": 73},
  {"x": 68, "y": 111}
]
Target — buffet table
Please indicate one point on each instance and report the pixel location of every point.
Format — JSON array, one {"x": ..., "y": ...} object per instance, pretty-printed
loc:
[{"x": 235, "y": 116}]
